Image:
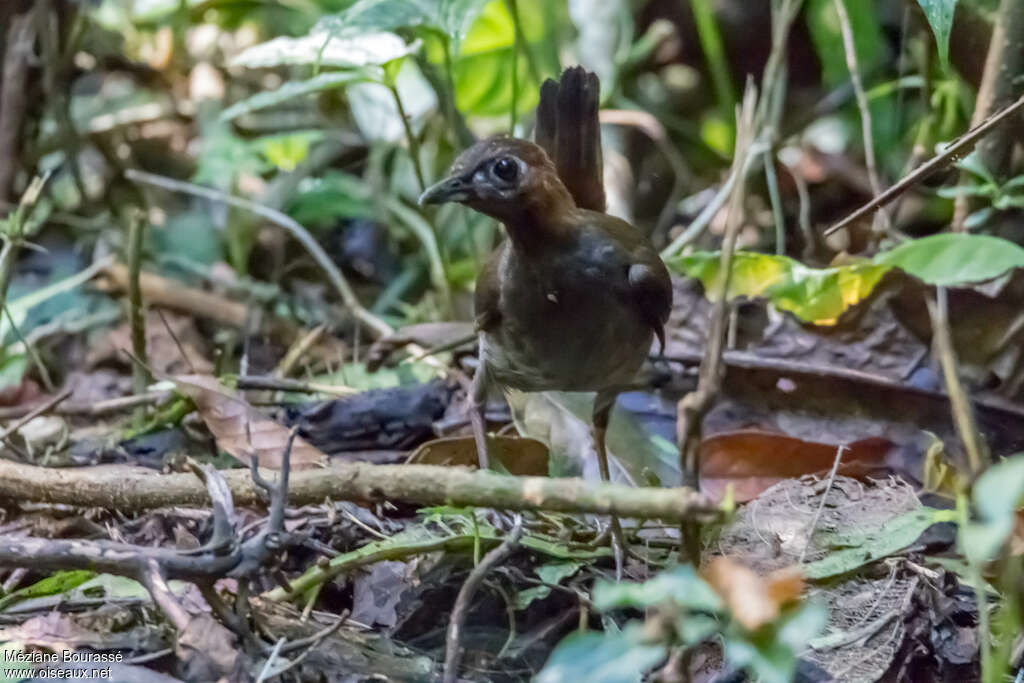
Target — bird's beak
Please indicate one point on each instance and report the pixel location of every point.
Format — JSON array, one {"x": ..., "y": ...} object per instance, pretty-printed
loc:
[{"x": 453, "y": 189}]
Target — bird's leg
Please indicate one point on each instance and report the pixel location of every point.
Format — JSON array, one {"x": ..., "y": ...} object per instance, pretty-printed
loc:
[
  {"x": 602, "y": 410},
  {"x": 477, "y": 404}
]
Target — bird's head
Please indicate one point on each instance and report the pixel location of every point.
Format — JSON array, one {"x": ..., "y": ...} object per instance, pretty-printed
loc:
[{"x": 506, "y": 178}]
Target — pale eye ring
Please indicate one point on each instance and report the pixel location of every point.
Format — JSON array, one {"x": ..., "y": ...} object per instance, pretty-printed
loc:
[{"x": 506, "y": 169}]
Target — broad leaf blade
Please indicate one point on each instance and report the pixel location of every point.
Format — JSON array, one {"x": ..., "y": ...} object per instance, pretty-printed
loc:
[
  {"x": 939, "y": 14},
  {"x": 291, "y": 90},
  {"x": 320, "y": 48},
  {"x": 951, "y": 259}
]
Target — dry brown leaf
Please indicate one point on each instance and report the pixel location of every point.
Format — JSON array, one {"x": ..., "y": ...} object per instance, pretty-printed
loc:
[
  {"x": 752, "y": 460},
  {"x": 241, "y": 430},
  {"x": 753, "y": 600},
  {"x": 521, "y": 456}
]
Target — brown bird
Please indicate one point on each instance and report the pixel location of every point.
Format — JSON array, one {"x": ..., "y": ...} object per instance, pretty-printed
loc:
[{"x": 573, "y": 299}]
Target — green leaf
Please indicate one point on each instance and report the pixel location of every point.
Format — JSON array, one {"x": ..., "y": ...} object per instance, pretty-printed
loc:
[
  {"x": 815, "y": 295},
  {"x": 771, "y": 656},
  {"x": 561, "y": 420},
  {"x": 679, "y": 584},
  {"x": 356, "y": 376},
  {"x": 553, "y": 573},
  {"x": 854, "y": 552},
  {"x": 951, "y": 259},
  {"x": 55, "y": 584},
  {"x": 939, "y": 14},
  {"x": 821, "y": 295},
  {"x": 20, "y": 307},
  {"x": 482, "y": 68},
  {"x": 996, "y": 495},
  {"x": 322, "y": 201},
  {"x": 602, "y": 657},
  {"x": 288, "y": 150},
  {"x": 12, "y": 367},
  {"x": 826, "y": 34},
  {"x": 320, "y": 48},
  {"x": 293, "y": 89},
  {"x": 451, "y": 17}
]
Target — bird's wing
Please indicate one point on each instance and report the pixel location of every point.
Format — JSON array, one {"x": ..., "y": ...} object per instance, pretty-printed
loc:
[
  {"x": 648, "y": 281},
  {"x": 651, "y": 288},
  {"x": 569, "y": 130}
]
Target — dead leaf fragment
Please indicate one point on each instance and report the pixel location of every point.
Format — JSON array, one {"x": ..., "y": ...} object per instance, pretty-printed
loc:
[
  {"x": 753, "y": 600},
  {"x": 521, "y": 456},
  {"x": 243, "y": 431}
]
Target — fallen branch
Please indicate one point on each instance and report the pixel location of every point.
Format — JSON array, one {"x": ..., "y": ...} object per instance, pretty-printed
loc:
[{"x": 132, "y": 489}]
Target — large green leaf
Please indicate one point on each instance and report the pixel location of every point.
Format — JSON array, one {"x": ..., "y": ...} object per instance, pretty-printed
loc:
[
  {"x": 773, "y": 660},
  {"x": 818, "y": 295},
  {"x": 853, "y": 552},
  {"x": 821, "y": 295},
  {"x": 679, "y": 584},
  {"x": 482, "y": 67},
  {"x": 291, "y": 90},
  {"x": 321, "y": 48},
  {"x": 940, "y": 17},
  {"x": 602, "y": 657},
  {"x": 958, "y": 258},
  {"x": 826, "y": 34},
  {"x": 451, "y": 17},
  {"x": 997, "y": 494},
  {"x": 562, "y": 421}
]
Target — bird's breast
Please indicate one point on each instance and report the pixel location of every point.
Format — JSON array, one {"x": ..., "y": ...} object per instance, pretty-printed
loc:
[{"x": 568, "y": 326}]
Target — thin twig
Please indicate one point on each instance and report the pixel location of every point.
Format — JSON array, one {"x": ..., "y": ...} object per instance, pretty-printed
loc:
[
  {"x": 410, "y": 136},
  {"x": 136, "y": 314},
  {"x": 299, "y": 349},
  {"x": 112, "y": 405},
  {"x": 453, "y": 649},
  {"x": 821, "y": 506},
  {"x": 695, "y": 405},
  {"x": 30, "y": 349},
  {"x": 334, "y": 275},
  {"x": 850, "y": 48},
  {"x": 963, "y": 415},
  {"x": 951, "y": 153},
  {"x": 36, "y": 412},
  {"x": 292, "y": 385}
]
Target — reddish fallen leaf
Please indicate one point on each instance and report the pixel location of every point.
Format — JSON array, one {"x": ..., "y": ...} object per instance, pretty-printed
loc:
[
  {"x": 754, "y": 601},
  {"x": 753, "y": 460},
  {"x": 25, "y": 391},
  {"x": 241, "y": 430},
  {"x": 521, "y": 456}
]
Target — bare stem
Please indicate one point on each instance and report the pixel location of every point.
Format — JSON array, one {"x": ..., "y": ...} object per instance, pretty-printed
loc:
[
  {"x": 137, "y": 316},
  {"x": 410, "y": 136},
  {"x": 963, "y": 415},
  {"x": 850, "y": 48},
  {"x": 695, "y": 405}
]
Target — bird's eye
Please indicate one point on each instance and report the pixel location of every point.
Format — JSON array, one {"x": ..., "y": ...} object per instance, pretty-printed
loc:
[{"x": 506, "y": 169}]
